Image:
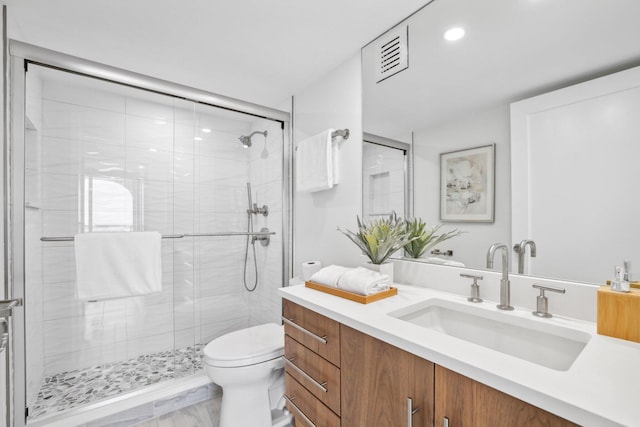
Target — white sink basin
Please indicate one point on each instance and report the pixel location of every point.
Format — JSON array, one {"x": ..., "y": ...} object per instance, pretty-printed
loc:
[{"x": 538, "y": 341}]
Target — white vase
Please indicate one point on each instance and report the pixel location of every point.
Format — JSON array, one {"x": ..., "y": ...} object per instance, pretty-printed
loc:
[{"x": 384, "y": 268}]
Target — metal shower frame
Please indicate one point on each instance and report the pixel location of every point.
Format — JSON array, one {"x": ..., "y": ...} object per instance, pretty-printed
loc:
[{"x": 20, "y": 55}]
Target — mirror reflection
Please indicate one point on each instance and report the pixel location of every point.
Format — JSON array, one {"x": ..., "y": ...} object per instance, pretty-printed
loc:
[{"x": 458, "y": 94}]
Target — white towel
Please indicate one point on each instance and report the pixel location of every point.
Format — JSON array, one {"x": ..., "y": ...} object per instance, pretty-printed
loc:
[
  {"x": 329, "y": 276},
  {"x": 116, "y": 265},
  {"x": 315, "y": 163},
  {"x": 363, "y": 281}
]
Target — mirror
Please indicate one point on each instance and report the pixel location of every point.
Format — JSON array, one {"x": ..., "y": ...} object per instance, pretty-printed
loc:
[
  {"x": 456, "y": 95},
  {"x": 386, "y": 177}
]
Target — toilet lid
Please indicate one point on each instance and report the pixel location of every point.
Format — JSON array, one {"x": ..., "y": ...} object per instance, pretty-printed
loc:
[{"x": 246, "y": 346}]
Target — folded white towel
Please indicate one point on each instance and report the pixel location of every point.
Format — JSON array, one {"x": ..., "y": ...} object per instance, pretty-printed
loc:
[
  {"x": 363, "y": 281},
  {"x": 329, "y": 276},
  {"x": 314, "y": 163},
  {"x": 116, "y": 265}
]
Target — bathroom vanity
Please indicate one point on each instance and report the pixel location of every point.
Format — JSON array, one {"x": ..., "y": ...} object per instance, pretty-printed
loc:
[{"x": 384, "y": 364}]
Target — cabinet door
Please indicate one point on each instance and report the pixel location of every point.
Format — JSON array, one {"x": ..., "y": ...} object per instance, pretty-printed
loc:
[
  {"x": 378, "y": 380},
  {"x": 468, "y": 403}
]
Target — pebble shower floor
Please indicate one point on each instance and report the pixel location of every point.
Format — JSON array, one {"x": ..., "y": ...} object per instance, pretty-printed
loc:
[{"x": 72, "y": 389}]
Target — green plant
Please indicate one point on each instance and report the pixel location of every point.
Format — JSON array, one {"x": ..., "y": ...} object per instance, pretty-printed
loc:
[
  {"x": 380, "y": 238},
  {"x": 422, "y": 237}
]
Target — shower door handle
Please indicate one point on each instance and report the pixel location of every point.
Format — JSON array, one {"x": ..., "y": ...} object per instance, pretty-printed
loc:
[
  {"x": 4, "y": 337},
  {"x": 6, "y": 306}
]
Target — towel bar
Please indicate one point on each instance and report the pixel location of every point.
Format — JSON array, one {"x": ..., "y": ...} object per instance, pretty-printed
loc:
[
  {"x": 179, "y": 236},
  {"x": 344, "y": 133}
]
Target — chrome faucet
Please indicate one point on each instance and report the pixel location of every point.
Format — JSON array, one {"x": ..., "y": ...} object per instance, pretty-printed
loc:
[
  {"x": 505, "y": 285},
  {"x": 521, "y": 249}
]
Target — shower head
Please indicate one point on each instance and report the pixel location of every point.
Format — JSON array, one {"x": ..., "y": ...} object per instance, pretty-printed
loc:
[{"x": 246, "y": 140}]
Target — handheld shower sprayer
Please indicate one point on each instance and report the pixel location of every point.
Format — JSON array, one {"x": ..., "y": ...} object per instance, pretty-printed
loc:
[{"x": 246, "y": 140}]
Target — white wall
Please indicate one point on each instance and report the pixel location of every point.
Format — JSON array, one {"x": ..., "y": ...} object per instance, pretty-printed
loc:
[
  {"x": 481, "y": 128},
  {"x": 333, "y": 101}
]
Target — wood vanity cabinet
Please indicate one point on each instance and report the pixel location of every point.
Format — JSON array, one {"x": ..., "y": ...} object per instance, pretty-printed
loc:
[
  {"x": 312, "y": 366},
  {"x": 463, "y": 402},
  {"x": 337, "y": 376},
  {"x": 382, "y": 385}
]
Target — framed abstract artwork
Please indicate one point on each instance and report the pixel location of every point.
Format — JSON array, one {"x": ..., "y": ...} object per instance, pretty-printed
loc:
[{"x": 467, "y": 185}]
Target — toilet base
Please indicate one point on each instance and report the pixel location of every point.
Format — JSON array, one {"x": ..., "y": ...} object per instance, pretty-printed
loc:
[
  {"x": 252, "y": 411},
  {"x": 245, "y": 392},
  {"x": 244, "y": 406}
]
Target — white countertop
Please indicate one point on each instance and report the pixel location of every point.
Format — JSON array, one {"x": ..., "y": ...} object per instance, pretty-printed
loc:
[{"x": 601, "y": 388}]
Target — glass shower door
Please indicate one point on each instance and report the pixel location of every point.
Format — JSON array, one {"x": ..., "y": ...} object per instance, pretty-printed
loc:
[{"x": 100, "y": 157}]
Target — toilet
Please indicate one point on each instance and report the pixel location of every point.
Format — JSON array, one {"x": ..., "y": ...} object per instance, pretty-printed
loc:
[{"x": 247, "y": 364}]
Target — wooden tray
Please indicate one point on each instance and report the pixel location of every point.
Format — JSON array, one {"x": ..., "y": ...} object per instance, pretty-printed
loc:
[{"x": 362, "y": 299}]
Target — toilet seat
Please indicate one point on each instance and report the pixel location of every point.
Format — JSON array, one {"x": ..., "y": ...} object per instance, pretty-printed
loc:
[{"x": 246, "y": 347}]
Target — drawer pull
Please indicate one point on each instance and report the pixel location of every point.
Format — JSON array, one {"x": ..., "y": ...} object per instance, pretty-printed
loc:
[
  {"x": 289, "y": 362},
  {"x": 289, "y": 322},
  {"x": 410, "y": 412},
  {"x": 304, "y": 417}
]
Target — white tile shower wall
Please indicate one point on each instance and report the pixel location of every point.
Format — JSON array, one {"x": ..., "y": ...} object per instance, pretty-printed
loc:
[
  {"x": 202, "y": 188},
  {"x": 383, "y": 180},
  {"x": 34, "y": 288},
  {"x": 221, "y": 174},
  {"x": 266, "y": 174}
]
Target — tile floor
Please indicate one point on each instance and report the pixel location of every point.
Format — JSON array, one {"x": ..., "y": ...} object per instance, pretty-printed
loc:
[
  {"x": 203, "y": 414},
  {"x": 71, "y": 389}
]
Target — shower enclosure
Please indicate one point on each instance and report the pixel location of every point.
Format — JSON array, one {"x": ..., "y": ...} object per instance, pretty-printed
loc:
[{"x": 102, "y": 156}]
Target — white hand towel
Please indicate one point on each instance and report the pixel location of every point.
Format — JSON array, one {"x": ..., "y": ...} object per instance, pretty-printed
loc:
[
  {"x": 116, "y": 265},
  {"x": 329, "y": 276},
  {"x": 314, "y": 163},
  {"x": 363, "y": 281}
]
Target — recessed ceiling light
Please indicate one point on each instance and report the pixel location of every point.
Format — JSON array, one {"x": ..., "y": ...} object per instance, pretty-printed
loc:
[
  {"x": 197, "y": 138},
  {"x": 453, "y": 34},
  {"x": 160, "y": 122},
  {"x": 206, "y": 130}
]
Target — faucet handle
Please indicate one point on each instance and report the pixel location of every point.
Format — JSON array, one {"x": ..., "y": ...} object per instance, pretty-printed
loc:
[
  {"x": 471, "y": 276},
  {"x": 542, "y": 302},
  {"x": 475, "y": 288}
]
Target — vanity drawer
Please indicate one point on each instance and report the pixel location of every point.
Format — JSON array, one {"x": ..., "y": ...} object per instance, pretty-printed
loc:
[
  {"x": 315, "y": 331},
  {"x": 317, "y": 375},
  {"x": 307, "y": 410}
]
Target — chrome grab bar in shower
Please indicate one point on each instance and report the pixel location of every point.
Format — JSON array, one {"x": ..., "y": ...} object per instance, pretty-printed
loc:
[
  {"x": 179, "y": 236},
  {"x": 233, "y": 233}
]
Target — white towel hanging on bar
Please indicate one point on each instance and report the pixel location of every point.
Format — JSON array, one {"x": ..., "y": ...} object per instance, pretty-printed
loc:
[{"x": 316, "y": 163}]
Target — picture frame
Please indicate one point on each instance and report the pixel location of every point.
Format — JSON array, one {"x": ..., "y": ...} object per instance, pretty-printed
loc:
[{"x": 467, "y": 185}]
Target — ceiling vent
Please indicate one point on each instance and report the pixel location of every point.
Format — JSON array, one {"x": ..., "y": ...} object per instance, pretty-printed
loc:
[{"x": 393, "y": 53}]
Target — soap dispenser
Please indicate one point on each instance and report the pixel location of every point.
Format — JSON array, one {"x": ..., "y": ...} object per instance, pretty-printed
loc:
[{"x": 620, "y": 281}]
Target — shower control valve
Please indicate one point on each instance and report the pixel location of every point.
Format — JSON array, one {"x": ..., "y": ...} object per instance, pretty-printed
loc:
[{"x": 264, "y": 210}]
